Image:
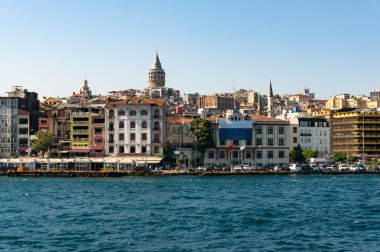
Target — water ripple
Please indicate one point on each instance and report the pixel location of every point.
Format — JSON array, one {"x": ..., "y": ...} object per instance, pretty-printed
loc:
[{"x": 240, "y": 213}]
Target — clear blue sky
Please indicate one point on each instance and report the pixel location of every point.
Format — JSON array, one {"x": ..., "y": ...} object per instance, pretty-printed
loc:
[{"x": 329, "y": 46}]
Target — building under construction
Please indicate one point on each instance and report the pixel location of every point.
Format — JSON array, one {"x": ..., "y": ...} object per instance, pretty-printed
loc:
[{"x": 356, "y": 132}]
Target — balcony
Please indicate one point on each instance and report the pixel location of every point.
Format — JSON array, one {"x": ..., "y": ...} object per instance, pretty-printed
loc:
[
  {"x": 305, "y": 134},
  {"x": 80, "y": 122}
]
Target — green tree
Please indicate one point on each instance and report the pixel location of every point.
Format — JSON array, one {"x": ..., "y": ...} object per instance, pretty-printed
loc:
[
  {"x": 168, "y": 155},
  {"x": 201, "y": 128},
  {"x": 310, "y": 153},
  {"x": 339, "y": 156},
  {"x": 43, "y": 142},
  {"x": 353, "y": 159},
  {"x": 296, "y": 156}
]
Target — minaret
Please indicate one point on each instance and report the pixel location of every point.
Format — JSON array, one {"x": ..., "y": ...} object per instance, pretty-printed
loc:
[
  {"x": 156, "y": 76},
  {"x": 270, "y": 100}
]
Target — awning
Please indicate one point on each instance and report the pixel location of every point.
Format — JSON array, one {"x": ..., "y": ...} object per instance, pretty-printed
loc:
[
  {"x": 3, "y": 161},
  {"x": 80, "y": 151},
  {"x": 97, "y": 160},
  {"x": 126, "y": 161},
  {"x": 55, "y": 161},
  {"x": 97, "y": 148},
  {"x": 14, "y": 160},
  {"x": 82, "y": 160}
]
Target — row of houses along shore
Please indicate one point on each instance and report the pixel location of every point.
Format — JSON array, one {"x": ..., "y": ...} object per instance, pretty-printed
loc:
[{"x": 140, "y": 127}]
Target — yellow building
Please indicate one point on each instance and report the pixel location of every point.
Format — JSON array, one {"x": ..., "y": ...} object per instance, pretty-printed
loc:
[
  {"x": 80, "y": 132},
  {"x": 356, "y": 132}
]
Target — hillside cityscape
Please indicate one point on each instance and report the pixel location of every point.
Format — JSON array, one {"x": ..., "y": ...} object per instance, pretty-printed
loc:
[{"x": 155, "y": 126}]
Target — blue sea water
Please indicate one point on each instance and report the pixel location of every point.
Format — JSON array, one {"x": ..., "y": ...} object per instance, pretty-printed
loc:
[{"x": 191, "y": 213}]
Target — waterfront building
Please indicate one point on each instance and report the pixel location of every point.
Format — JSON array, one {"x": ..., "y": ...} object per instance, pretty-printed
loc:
[
  {"x": 23, "y": 131},
  {"x": 356, "y": 132},
  {"x": 8, "y": 126},
  {"x": 135, "y": 126},
  {"x": 249, "y": 139},
  {"x": 179, "y": 136},
  {"x": 80, "y": 133},
  {"x": 313, "y": 134}
]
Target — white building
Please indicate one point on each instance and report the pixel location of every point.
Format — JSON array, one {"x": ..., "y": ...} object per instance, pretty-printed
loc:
[
  {"x": 8, "y": 126},
  {"x": 314, "y": 134},
  {"x": 135, "y": 126},
  {"x": 250, "y": 139}
]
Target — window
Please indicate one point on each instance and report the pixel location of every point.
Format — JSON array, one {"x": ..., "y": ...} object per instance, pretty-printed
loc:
[
  {"x": 211, "y": 155},
  {"x": 235, "y": 142},
  {"x": 270, "y": 154},
  {"x": 121, "y": 149},
  {"x": 23, "y": 121},
  {"x": 270, "y": 141},
  {"x": 23, "y": 131},
  {"x": 295, "y": 140},
  {"x": 121, "y": 125},
  {"x": 110, "y": 126},
  {"x": 235, "y": 154},
  {"x": 121, "y": 137},
  {"x": 143, "y": 137},
  {"x": 156, "y": 138},
  {"x": 258, "y": 130},
  {"x": 222, "y": 142},
  {"x": 281, "y": 141},
  {"x": 281, "y": 154},
  {"x": 144, "y": 112},
  {"x": 132, "y": 149},
  {"x": 110, "y": 149},
  {"x": 144, "y": 125},
  {"x": 132, "y": 112},
  {"x": 259, "y": 154},
  {"x": 294, "y": 129},
  {"x": 156, "y": 126},
  {"x": 156, "y": 113},
  {"x": 270, "y": 130},
  {"x": 132, "y": 125},
  {"x": 259, "y": 141},
  {"x": 281, "y": 130},
  {"x": 132, "y": 137},
  {"x": 110, "y": 138},
  {"x": 248, "y": 154},
  {"x": 121, "y": 112},
  {"x": 222, "y": 154},
  {"x": 111, "y": 114},
  {"x": 248, "y": 142}
]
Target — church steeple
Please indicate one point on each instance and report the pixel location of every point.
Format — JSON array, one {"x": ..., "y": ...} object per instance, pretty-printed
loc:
[{"x": 156, "y": 76}]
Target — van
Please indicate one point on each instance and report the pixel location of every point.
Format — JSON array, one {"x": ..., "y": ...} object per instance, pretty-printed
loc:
[
  {"x": 295, "y": 167},
  {"x": 322, "y": 167}
]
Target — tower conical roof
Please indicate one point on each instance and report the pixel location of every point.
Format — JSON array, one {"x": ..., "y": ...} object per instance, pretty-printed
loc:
[
  {"x": 270, "y": 89},
  {"x": 156, "y": 63}
]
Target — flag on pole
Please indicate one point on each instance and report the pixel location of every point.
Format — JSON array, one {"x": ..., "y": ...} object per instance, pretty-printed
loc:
[{"x": 242, "y": 147}]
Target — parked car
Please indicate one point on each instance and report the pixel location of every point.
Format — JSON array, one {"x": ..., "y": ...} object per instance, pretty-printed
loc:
[
  {"x": 201, "y": 168},
  {"x": 277, "y": 168},
  {"x": 247, "y": 168},
  {"x": 343, "y": 167},
  {"x": 314, "y": 167},
  {"x": 332, "y": 167},
  {"x": 322, "y": 167},
  {"x": 295, "y": 167},
  {"x": 238, "y": 168},
  {"x": 354, "y": 168}
]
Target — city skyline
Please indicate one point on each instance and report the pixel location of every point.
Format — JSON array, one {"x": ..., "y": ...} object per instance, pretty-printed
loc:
[{"x": 329, "y": 47}]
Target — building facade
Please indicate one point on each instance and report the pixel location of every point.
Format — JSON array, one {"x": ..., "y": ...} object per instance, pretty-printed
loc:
[
  {"x": 356, "y": 132},
  {"x": 135, "y": 126},
  {"x": 250, "y": 139},
  {"x": 314, "y": 134}
]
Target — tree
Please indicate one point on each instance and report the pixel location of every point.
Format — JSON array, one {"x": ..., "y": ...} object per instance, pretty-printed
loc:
[
  {"x": 201, "y": 128},
  {"x": 297, "y": 155},
  {"x": 168, "y": 155},
  {"x": 310, "y": 153},
  {"x": 339, "y": 156},
  {"x": 43, "y": 142}
]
